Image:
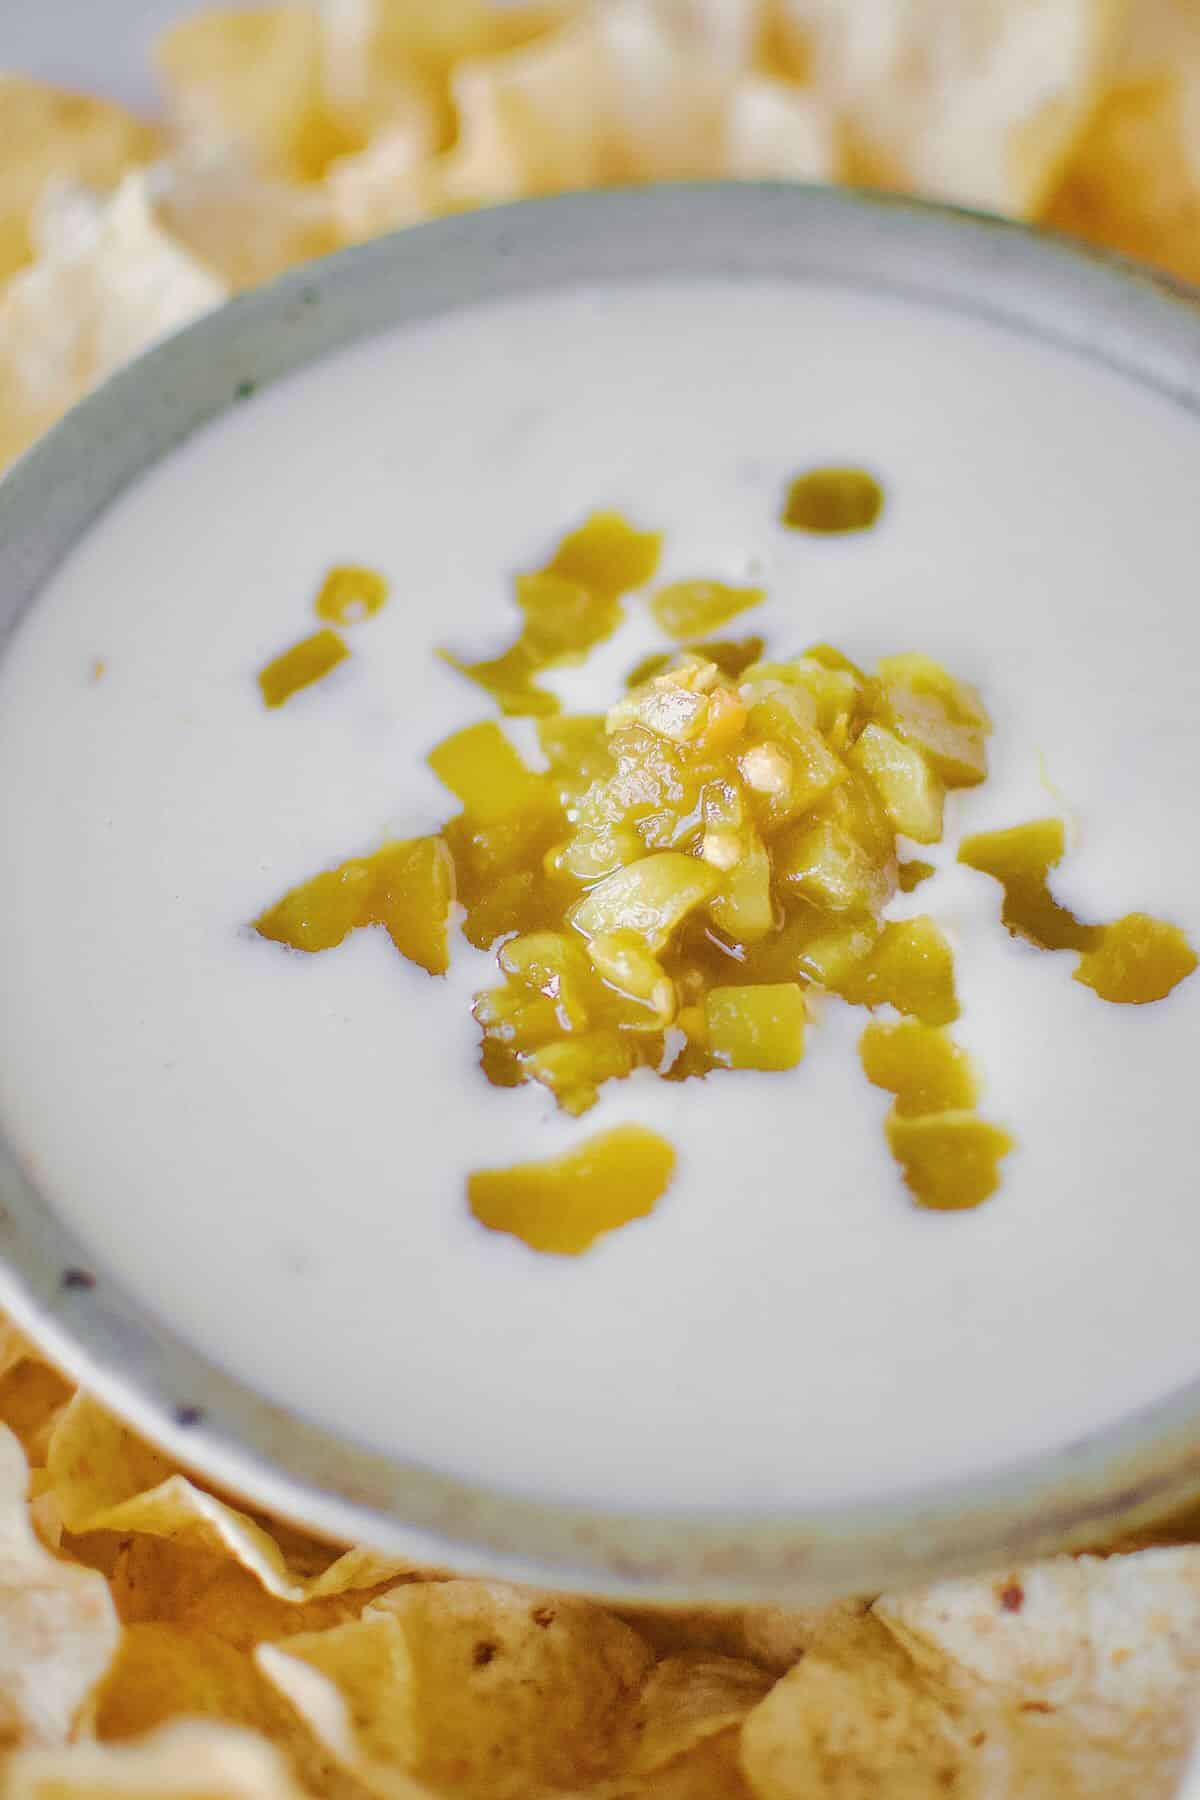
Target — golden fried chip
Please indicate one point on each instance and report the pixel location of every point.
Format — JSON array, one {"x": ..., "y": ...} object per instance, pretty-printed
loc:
[
  {"x": 58, "y": 1626},
  {"x": 110, "y": 283},
  {"x": 245, "y": 226},
  {"x": 50, "y": 135},
  {"x": 771, "y": 1637},
  {"x": 387, "y": 62},
  {"x": 688, "y": 1700},
  {"x": 157, "y": 1580},
  {"x": 188, "y": 1761},
  {"x": 623, "y": 93},
  {"x": 392, "y": 182},
  {"x": 251, "y": 79},
  {"x": 710, "y": 1771},
  {"x": 776, "y": 131},
  {"x": 643, "y": 90},
  {"x": 105, "y": 1478},
  {"x": 1083, "y": 1671},
  {"x": 1129, "y": 185},
  {"x": 32, "y": 1396},
  {"x": 979, "y": 103},
  {"x": 470, "y": 1685},
  {"x": 15, "y": 1347},
  {"x": 162, "y": 1672},
  {"x": 854, "y": 1718}
]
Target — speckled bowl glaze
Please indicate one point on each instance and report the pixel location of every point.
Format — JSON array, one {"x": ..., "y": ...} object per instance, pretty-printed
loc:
[{"x": 1115, "y": 315}]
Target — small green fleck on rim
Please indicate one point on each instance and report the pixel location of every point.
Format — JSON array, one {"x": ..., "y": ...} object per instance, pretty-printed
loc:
[
  {"x": 243, "y": 390},
  {"x": 829, "y": 501}
]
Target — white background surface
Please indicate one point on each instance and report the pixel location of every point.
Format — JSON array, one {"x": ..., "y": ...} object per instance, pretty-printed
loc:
[{"x": 94, "y": 44}]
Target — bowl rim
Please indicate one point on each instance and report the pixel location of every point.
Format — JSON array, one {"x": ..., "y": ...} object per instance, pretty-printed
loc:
[{"x": 1145, "y": 325}]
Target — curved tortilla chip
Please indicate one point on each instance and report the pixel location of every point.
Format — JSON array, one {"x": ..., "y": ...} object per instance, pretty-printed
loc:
[
  {"x": 771, "y": 1637},
  {"x": 387, "y": 63},
  {"x": 158, "y": 1580},
  {"x": 105, "y": 1478},
  {"x": 852, "y": 1720},
  {"x": 1132, "y": 181},
  {"x": 52, "y": 135},
  {"x": 189, "y": 1761},
  {"x": 244, "y": 226},
  {"x": 391, "y": 183},
  {"x": 688, "y": 1700},
  {"x": 1070, "y": 1680},
  {"x": 469, "y": 1685},
  {"x": 32, "y": 1397},
  {"x": 979, "y": 104},
  {"x": 163, "y": 1672},
  {"x": 110, "y": 283},
  {"x": 58, "y": 1626},
  {"x": 250, "y": 79},
  {"x": 777, "y": 131},
  {"x": 1085, "y": 1670},
  {"x": 614, "y": 97},
  {"x": 711, "y": 1771}
]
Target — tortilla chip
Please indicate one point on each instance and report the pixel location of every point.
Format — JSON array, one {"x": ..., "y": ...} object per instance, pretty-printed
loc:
[
  {"x": 105, "y": 1478},
  {"x": 58, "y": 1627},
  {"x": 772, "y": 1637},
  {"x": 53, "y": 135},
  {"x": 163, "y": 1671},
  {"x": 390, "y": 184},
  {"x": 15, "y": 1347},
  {"x": 1084, "y": 1671},
  {"x": 712, "y": 1771},
  {"x": 638, "y": 90},
  {"x": 189, "y": 1761},
  {"x": 489, "y": 1690},
  {"x": 110, "y": 282},
  {"x": 246, "y": 227},
  {"x": 157, "y": 1580},
  {"x": 32, "y": 1395},
  {"x": 1071, "y": 1680},
  {"x": 624, "y": 92},
  {"x": 251, "y": 80},
  {"x": 775, "y": 131},
  {"x": 856, "y": 1719},
  {"x": 688, "y": 1700},
  {"x": 387, "y": 63},
  {"x": 1129, "y": 185},
  {"x": 978, "y": 104}
]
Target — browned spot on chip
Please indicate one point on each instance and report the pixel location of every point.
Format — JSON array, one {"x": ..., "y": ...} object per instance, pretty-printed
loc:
[{"x": 1012, "y": 1597}]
